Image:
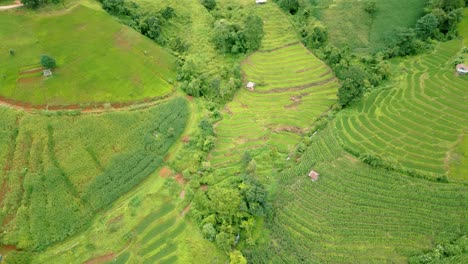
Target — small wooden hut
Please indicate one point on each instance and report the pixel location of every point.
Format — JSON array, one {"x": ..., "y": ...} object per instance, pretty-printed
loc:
[
  {"x": 313, "y": 175},
  {"x": 251, "y": 86}
]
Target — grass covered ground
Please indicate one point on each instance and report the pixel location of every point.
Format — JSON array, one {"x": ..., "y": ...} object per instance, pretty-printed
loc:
[
  {"x": 98, "y": 59},
  {"x": 293, "y": 88},
  {"x": 418, "y": 121},
  {"x": 356, "y": 213},
  {"x": 348, "y": 23},
  {"x": 58, "y": 171}
]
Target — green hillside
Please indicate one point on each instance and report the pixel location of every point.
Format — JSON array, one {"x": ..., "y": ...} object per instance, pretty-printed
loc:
[
  {"x": 59, "y": 170},
  {"x": 416, "y": 123},
  {"x": 148, "y": 147},
  {"x": 293, "y": 88},
  {"x": 355, "y": 213},
  {"x": 98, "y": 59},
  {"x": 349, "y": 24}
]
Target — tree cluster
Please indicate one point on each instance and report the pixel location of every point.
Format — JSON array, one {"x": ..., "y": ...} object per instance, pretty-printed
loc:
[
  {"x": 231, "y": 38},
  {"x": 443, "y": 252},
  {"x": 38, "y": 3},
  {"x": 147, "y": 23},
  {"x": 439, "y": 23},
  {"x": 198, "y": 84}
]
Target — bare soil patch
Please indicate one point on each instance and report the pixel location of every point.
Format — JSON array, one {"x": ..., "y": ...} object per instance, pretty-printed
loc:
[
  {"x": 165, "y": 172},
  {"x": 182, "y": 194},
  {"x": 115, "y": 219},
  {"x": 186, "y": 139},
  {"x": 291, "y": 129},
  {"x": 29, "y": 80},
  {"x": 185, "y": 211},
  {"x": 204, "y": 187},
  {"x": 298, "y": 87},
  {"x": 121, "y": 41},
  {"x": 31, "y": 71},
  {"x": 100, "y": 259},
  {"x": 180, "y": 179}
]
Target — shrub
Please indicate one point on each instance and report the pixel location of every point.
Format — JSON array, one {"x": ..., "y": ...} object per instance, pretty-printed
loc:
[
  {"x": 48, "y": 62},
  {"x": 209, "y": 4}
]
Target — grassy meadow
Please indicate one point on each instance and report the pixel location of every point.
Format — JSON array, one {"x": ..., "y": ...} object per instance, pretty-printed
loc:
[
  {"x": 98, "y": 59},
  {"x": 355, "y": 213},
  {"x": 418, "y": 121},
  {"x": 293, "y": 88},
  {"x": 348, "y": 23},
  {"x": 59, "y": 170}
]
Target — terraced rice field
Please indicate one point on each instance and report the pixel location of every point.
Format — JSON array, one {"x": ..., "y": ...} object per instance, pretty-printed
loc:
[
  {"x": 155, "y": 237},
  {"x": 418, "y": 121},
  {"x": 293, "y": 88},
  {"x": 355, "y": 213}
]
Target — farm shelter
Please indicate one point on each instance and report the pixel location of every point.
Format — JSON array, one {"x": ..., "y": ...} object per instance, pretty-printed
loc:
[
  {"x": 313, "y": 175},
  {"x": 47, "y": 72},
  {"x": 462, "y": 69},
  {"x": 251, "y": 86}
]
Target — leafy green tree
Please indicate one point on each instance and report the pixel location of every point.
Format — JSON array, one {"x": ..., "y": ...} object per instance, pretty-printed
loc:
[
  {"x": 209, "y": 232},
  {"x": 236, "y": 257},
  {"x": 168, "y": 12},
  {"x": 48, "y": 62},
  {"x": 427, "y": 26},
  {"x": 115, "y": 7},
  {"x": 151, "y": 26},
  {"x": 370, "y": 7},
  {"x": 224, "y": 241},
  {"x": 353, "y": 85},
  {"x": 315, "y": 37},
  {"x": 31, "y": 3},
  {"x": 209, "y": 4},
  {"x": 226, "y": 37},
  {"x": 253, "y": 33},
  {"x": 292, "y": 6}
]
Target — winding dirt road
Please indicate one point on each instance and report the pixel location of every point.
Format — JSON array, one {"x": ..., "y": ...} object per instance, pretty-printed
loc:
[{"x": 15, "y": 5}]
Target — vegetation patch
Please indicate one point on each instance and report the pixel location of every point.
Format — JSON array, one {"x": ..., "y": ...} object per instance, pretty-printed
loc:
[{"x": 93, "y": 63}]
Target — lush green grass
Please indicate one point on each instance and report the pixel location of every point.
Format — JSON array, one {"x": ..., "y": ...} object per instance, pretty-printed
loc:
[
  {"x": 58, "y": 171},
  {"x": 355, "y": 213},
  {"x": 348, "y": 23},
  {"x": 463, "y": 26},
  {"x": 293, "y": 88},
  {"x": 98, "y": 59},
  {"x": 6, "y": 2},
  {"x": 418, "y": 121}
]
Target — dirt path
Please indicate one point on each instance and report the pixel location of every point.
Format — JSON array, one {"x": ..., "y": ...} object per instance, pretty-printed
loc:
[
  {"x": 92, "y": 108},
  {"x": 15, "y": 5}
]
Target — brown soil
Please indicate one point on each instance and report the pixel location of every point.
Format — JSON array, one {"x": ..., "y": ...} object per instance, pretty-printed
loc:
[
  {"x": 31, "y": 71},
  {"x": 186, "y": 139},
  {"x": 204, "y": 187},
  {"x": 182, "y": 194},
  {"x": 190, "y": 98},
  {"x": 121, "y": 42},
  {"x": 292, "y": 129},
  {"x": 101, "y": 259},
  {"x": 92, "y": 108},
  {"x": 29, "y": 80},
  {"x": 296, "y": 100},
  {"x": 180, "y": 179},
  {"x": 165, "y": 172},
  {"x": 228, "y": 110},
  {"x": 3, "y": 191},
  {"x": 298, "y": 87},
  {"x": 115, "y": 219},
  {"x": 185, "y": 211}
]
